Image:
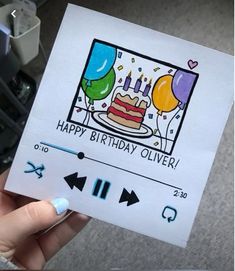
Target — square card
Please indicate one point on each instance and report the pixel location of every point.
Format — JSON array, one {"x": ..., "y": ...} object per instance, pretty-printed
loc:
[{"x": 125, "y": 125}]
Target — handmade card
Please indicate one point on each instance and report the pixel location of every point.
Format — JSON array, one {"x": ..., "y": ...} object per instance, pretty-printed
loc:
[{"x": 125, "y": 125}]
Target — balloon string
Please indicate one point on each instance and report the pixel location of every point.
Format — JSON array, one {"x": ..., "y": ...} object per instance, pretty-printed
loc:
[
  {"x": 159, "y": 131},
  {"x": 86, "y": 105},
  {"x": 88, "y": 114},
  {"x": 167, "y": 128}
]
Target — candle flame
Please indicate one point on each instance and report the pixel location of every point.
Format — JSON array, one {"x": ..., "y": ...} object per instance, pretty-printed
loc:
[
  {"x": 150, "y": 81},
  {"x": 129, "y": 74},
  {"x": 141, "y": 76}
]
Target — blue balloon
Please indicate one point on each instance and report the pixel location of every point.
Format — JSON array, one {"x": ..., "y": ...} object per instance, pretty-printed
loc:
[{"x": 101, "y": 61}]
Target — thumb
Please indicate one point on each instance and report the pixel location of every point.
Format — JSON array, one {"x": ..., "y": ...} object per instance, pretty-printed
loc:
[{"x": 29, "y": 219}]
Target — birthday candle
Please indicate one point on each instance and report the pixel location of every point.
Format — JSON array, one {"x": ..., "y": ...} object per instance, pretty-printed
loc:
[
  {"x": 138, "y": 84},
  {"x": 147, "y": 88},
  {"x": 127, "y": 81}
]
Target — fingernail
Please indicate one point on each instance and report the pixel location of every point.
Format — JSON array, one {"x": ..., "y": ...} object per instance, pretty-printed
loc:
[{"x": 61, "y": 205}]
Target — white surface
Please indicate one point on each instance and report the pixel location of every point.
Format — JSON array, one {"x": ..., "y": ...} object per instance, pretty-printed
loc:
[{"x": 195, "y": 146}]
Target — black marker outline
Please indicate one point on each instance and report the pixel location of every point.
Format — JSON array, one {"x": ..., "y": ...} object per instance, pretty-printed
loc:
[{"x": 69, "y": 118}]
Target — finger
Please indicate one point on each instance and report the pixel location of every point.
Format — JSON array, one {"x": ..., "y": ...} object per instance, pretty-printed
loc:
[
  {"x": 3, "y": 179},
  {"x": 6, "y": 198},
  {"x": 23, "y": 200},
  {"x": 29, "y": 254},
  {"x": 7, "y": 204},
  {"x": 59, "y": 236},
  {"x": 40, "y": 233},
  {"x": 29, "y": 219}
]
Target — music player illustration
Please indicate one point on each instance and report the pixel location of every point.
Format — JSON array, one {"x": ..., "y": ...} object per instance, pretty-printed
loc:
[{"x": 125, "y": 128}]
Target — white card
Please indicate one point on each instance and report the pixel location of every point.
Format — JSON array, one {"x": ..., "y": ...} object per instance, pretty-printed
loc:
[{"x": 125, "y": 125}]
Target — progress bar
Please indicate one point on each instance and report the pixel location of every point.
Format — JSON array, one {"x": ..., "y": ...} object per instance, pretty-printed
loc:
[{"x": 81, "y": 156}]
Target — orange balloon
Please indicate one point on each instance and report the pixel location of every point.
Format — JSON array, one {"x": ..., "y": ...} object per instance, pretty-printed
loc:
[{"x": 162, "y": 95}]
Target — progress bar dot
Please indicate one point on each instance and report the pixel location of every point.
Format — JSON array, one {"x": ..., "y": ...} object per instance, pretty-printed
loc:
[{"x": 81, "y": 155}]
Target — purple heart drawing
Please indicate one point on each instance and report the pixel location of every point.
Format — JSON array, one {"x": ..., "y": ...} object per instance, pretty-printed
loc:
[{"x": 192, "y": 64}]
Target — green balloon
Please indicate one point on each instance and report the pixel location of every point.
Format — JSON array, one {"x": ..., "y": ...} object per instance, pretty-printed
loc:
[{"x": 99, "y": 89}]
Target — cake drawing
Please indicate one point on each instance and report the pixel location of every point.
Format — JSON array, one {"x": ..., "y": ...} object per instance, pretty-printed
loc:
[{"x": 129, "y": 105}]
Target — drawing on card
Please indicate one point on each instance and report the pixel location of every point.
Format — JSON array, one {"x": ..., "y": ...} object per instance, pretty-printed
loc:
[{"x": 132, "y": 96}]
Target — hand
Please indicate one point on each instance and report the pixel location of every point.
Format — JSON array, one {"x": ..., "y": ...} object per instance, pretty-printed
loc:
[{"x": 22, "y": 221}]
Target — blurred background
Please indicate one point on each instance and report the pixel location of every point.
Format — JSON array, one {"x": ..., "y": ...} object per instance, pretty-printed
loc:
[{"x": 102, "y": 246}]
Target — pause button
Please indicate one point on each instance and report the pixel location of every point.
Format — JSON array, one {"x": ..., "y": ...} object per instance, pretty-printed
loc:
[{"x": 101, "y": 188}]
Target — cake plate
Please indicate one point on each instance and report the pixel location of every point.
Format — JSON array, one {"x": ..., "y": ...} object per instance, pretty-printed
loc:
[{"x": 102, "y": 119}]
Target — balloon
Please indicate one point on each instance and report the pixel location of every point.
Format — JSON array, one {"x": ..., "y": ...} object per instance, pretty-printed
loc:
[
  {"x": 162, "y": 95},
  {"x": 101, "y": 61},
  {"x": 99, "y": 89},
  {"x": 182, "y": 86}
]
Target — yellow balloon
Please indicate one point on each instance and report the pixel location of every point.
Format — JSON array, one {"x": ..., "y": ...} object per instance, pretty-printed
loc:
[{"x": 162, "y": 95}]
